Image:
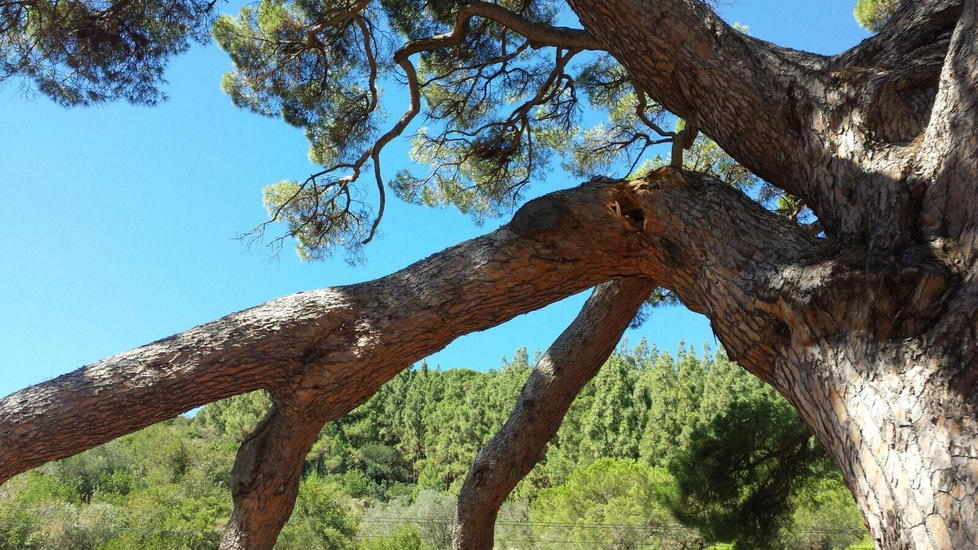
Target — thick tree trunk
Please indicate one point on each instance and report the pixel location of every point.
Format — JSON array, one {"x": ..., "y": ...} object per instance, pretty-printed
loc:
[
  {"x": 899, "y": 418},
  {"x": 573, "y": 359},
  {"x": 877, "y": 336}
]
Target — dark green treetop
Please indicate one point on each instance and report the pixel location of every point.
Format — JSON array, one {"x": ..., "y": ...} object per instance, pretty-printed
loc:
[{"x": 80, "y": 52}]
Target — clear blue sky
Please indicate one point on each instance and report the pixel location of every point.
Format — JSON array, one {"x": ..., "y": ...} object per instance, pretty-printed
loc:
[{"x": 122, "y": 221}]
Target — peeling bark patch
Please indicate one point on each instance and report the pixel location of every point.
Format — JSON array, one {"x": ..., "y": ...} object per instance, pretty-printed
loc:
[
  {"x": 665, "y": 178},
  {"x": 625, "y": 207},
  {"x": 537, "y": 215}
]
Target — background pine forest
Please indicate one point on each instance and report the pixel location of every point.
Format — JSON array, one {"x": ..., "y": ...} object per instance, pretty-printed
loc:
[{"x": 659, "y": 451}]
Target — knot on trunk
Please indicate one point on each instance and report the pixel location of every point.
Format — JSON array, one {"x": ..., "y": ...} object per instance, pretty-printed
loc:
[
  {"x": 891, "y": 297},
  {"x": 538, "y": 215}
]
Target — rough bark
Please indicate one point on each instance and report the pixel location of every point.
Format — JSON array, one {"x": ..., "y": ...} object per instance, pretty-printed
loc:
[
  {"x": 899, "y": 415},
  {"x": 660, "y": 222},
  {"x": 892, "y": 416},
  {"x": 332, "y": 347},
  {"x": 321, "y": 353},
  {"x": 573, "y": 360}
]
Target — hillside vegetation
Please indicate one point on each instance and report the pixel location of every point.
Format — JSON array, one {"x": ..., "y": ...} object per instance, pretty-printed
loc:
[{"x": 659, "y": 451}]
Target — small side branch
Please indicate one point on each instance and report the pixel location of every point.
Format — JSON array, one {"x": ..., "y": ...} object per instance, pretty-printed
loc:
[{"x": 682, "y": 141}]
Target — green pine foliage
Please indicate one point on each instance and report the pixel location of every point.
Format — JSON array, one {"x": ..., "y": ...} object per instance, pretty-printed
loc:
[
  {"x": 83, "y": 52},
  {"x": 873, "y": 14},
  {"x": 659, "y": 450},
  {"x": 610, "y": 503}
]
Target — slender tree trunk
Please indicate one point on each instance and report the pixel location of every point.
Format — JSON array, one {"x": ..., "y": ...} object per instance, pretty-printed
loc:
[
  {"x": 265, "y": 477},
  {"x": 573, "y": 359}
]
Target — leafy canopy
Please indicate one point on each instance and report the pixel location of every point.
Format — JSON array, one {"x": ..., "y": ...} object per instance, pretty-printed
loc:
[
  {"x": 80, "y": 52},
  {"x": 495, "y": 92},
  {"x": 503, "y": 89}
]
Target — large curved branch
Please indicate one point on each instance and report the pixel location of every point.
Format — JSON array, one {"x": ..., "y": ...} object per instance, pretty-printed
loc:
[
  {"x": 343, "y": 342},
  {"x": 573, "y": 359},
  {"x": 332, "y": 348},
  {"x": 699, "y": 67}
]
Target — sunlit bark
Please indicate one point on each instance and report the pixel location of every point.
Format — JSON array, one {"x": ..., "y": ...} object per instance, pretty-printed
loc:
[{"x": 573, "y": 359}]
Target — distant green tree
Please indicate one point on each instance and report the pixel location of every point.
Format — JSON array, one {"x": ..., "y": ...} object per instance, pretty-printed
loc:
[
  {"x": 411, "y": 417},
  {"x": 404, "y": 537},
  {"x": 234, "y": 417},
  {"x": 453, "y": 428},
  {"x": 737, "y": 475},
  {"x": 670, "y": 391},
  {"x": 382, "y": 465},
  {"x": 504, "y": 386},
  {"x": 873, "y": 14},
  {"x": 610, "y": 427},
  {"x": 824, "y": 516},
  {"x": 610, "y": 504},
  {"x": 322, "y": 518},
  {"x": 430, "y": 513}
]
